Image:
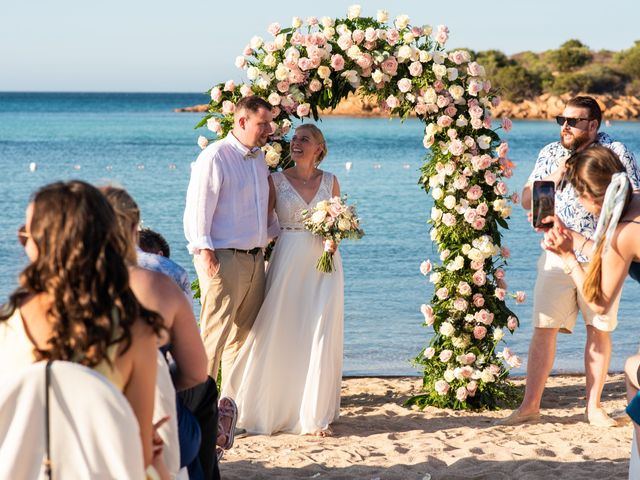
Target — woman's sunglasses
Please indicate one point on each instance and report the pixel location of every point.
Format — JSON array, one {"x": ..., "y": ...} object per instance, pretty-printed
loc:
[
  {"x": 23, "y": 236},
  {"x": 572, "y": 122}
]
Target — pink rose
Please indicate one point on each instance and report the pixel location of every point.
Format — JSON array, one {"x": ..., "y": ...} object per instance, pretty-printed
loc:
[
  {"x": 505, "y": 252},
  {"x": 358, "y": 36},
  {"x": 441, "y": 387},
  {"x": 444, "y": 121},
  {"x": 500, "y": 293},
  {"x": 392, "y": 102},
  {"x": 469, "y": 358},
  {"x": 489, "y": 178},
  {"x": 457, "y": 57},
  {"x": 514, "y": 361},
  {"x": 216, "y": 94},
  {"x": 274, "y": 29},
  {"x": 479, "y": 332},
  {"x": 460, "y": 304},
  {"x": 477, "y": 264},
  {"x": 370, "y": 34},
  {"x": 305, "y": 64},
  {"x": 472, "y": 386},
  {"x": 442, "y": 101},
  {"x": 228, "y": 107},
  {"x": 474, "y": 69},
  {"x": 337, "y": 62},
  {"x": 501, "y": 188},
  {"x": 247, "y": 50},
  {"x": 464, "y": 288},
  {"x": 297, "y": 38},
  {"x": 214, "y": 125},
  {"x": 441, "y": 37},
  {"x": 451, "y": 111},
  {"x": 438, "y": 85},
  {"x": 245, "y": 90},
  {"x": 457, "y": 148},
  {"x": 515, "y": 198},
  {"x": 429, "y": 353},
  {"x": 476, "y": 123},
  {"x": 479, "y": 278},
  {"x": 427, "y": 312},
  {"x": 478, "y": 300},
  {"x": 345, "y": 42},
  {"x": 421, "y": 109},
  {"x": 461, "y": 182},
  {"x": 448, "y": 219},
  {"x": 499, "y": 273},
  {"x": 461, "y": 394},
  {"x": 393, "y": 36},
  {"x": 230, "y": 86},
  {"x": 483, "y": 316},
  {"x": 479, "y": 223},
  {"x": 442, "y": 293},
  {"x": 445, "y": 356},
  {"x": 482, "y": 209},
  {"x": 474, "y": 193},
  {"x": 390, "y": 65},
  {"x": 512, "y": 323},
  {"x": 303, "y": 110},
  {"x": 507, "y": 124},
  {"x": 470, "y": 215},
  {"x": 415, "y": 69},
  {"x": 520, "y": 296},
  {"x": 283, "y": 86},
  {"x": 315, "y": 85},
  {"x": 365, "y": 61},
  {"x": 404, "y": 85},
  {"x": 241, "y": 62},
  {"x": 503, "y": 150},
  {"x": 494, "y": 369}
]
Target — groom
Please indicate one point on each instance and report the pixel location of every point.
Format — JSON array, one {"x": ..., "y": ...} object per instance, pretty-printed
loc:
[{"x": 225, "y": 223}]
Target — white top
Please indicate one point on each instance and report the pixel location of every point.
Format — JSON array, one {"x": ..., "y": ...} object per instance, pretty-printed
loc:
[{"x": 227, "y": 198}]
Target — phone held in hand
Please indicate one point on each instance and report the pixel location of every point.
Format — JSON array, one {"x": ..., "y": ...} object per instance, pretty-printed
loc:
[{"x": 544, "y": 193}]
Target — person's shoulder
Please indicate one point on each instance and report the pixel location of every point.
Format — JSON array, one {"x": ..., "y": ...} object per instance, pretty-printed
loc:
[
  {"x": 615, "y": 145},
  {"x": 214, "y": 151},
  {"x": 550, "y": 149}
]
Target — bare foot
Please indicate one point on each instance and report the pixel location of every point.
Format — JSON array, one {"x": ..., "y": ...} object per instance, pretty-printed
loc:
[
  {"x": 518, "y": 417},
  {"x": 598, "y": 418},
  {"x": 327, "y": 432}
]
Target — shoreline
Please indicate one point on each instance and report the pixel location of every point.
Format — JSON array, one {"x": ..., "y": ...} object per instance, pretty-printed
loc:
[{"x": 378, "y": 439}]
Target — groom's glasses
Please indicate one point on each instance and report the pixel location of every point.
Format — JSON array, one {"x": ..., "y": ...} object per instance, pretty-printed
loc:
[
  {"x": 23, "y": 236},
  {"x": 572, "y": 122}
]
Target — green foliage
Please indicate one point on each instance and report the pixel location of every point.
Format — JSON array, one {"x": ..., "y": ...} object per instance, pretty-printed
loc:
[
  {"x": 492, "y": 61},
  {"x": 570, "y": 56},
  {"x": 629, "y": 61},
  {"x": 596, "y": 79},
  {"x": 516, "y": 84}
]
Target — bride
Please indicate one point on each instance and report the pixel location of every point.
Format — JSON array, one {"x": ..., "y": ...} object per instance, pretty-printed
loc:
[{"x": 287, "y": 375}]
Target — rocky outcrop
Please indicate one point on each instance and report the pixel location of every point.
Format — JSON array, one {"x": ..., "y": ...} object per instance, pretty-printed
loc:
[{"x": 544, "y": 106}]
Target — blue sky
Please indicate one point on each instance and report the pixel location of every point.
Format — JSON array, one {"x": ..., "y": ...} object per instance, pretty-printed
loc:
[{"x": 187, "y": 45}]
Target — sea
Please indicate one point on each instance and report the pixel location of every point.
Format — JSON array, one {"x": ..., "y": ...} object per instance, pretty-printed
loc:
[{"x": 137, "y": 141}]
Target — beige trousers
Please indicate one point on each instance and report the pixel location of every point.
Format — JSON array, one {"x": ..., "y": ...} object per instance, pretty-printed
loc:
[{"x": 230, "y": 301}]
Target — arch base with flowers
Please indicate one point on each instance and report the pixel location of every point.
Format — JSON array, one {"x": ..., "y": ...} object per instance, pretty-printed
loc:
[{"x": 313, "y": 65}]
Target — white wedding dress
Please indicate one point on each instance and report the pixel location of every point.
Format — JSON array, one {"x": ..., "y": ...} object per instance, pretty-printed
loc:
[{"x": 287, "y": 375}]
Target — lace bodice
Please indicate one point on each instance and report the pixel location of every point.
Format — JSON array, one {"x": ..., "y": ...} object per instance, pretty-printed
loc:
[{"x": 289, "y": 203}]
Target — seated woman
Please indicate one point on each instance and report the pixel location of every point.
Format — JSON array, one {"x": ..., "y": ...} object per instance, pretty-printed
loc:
[
  {"x": 75, "y": 303},
  {"x": 603, "y": 187}
]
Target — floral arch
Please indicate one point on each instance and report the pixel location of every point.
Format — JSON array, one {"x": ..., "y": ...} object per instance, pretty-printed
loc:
[{"x": 313, "y": 65}]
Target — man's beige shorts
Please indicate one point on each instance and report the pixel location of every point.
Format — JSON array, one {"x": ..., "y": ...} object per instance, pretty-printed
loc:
[{"x": 556, "y": 300}]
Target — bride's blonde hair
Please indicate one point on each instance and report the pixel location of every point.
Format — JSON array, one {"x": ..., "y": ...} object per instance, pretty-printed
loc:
[{"x": 317, "y": 135}]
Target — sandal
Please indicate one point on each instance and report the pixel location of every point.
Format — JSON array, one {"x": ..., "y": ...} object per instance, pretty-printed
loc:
[
  {"x": 219, "y": 453},
  {"x": 227, "y": 408}
]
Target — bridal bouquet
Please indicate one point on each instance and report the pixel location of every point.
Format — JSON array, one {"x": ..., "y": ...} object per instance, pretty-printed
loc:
[{"x": 334, "y": 221}]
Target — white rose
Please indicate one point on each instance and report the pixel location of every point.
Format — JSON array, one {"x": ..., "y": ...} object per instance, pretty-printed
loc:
[
  {"x": 456, "y": 91},
  {"x": 425, "y": 56},
  {"x": 484, "y": 142},
  {"x": 449, "y": 375},
  {"x": 439, "y": 70},
  {"x": 353, "y": 52},
  {"x": 252, "y": 73},
  {"x": 324, "y": 72},
  {"x": 318, "y": 216},
  {"x": 272, "y": 158},
  {"x": 241, "y": 62},
  {"x": 447, "y": 329},
  {"x": 401, "y": 21},
  {"x": 498, "y": 334},
  {"x": 433, "y": 234},
  {"x": 382, "y": 16},
  {"x": 377, "y": 76},
  {"x": 404, "y": 53},
  {"x": 280, "y": 41},
  {"x": 327, "y": 22},
  {"x": 452, "y": 74},
  {"x": 354, "y": 11},
  {"x": 435, "y": 277},
  {"x": 436, "y": 214},
  {"x": 430, "y": 96},
  {"x": 256, "y": 42},
  {"x": 282, "y": 72},
  {"x": 487, "y": 376},
  {"x": 296, "y": 22},
  {"x": 269, "y": 60},
  {"x": 427, "y": 29},
  {"x": 450, "y": 202},
  {"x": 344, "y": 224},
  {"x": 274, "y": 99},
  {"x": 437, "y": 193}
]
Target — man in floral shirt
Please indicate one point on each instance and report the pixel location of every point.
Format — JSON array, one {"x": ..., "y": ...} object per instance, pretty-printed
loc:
[{"x": 556, "y": 300}]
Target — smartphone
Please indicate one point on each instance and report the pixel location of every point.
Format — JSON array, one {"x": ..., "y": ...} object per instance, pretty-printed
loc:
[{"x": 544, "y": 193}]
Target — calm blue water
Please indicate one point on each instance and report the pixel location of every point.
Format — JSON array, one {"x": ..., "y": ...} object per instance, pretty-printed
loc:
[{"x": 137, "y": 141}]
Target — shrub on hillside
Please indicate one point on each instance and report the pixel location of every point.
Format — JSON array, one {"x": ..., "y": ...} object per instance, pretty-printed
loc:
[
  {"x": 596, "y": 79},
  {"x": 629, "y": 60},
  {"x": 571, "y": 55},
  {"x": 516, "y": 84}
]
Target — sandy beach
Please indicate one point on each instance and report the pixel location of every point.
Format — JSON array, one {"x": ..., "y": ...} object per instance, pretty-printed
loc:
[{"x": 377, "y": 438}]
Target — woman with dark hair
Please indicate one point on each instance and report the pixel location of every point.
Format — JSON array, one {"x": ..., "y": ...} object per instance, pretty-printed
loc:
[
  {"x": 601, "y": 182},
  {"x": 74, "y": 302}
]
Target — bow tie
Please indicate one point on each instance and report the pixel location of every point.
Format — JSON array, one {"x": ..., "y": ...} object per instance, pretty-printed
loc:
[{"x": 252, "y": 153}]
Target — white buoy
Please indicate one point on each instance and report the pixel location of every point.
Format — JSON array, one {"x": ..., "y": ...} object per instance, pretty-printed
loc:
[
  {"x": 109, "y": 168},
  {"x": 376, "y": 165},
  {"x": 33, "y": 166},
  {"x": 172, "y": 166},
  {"x": 77, "y": 167},
  {"x": 348, "y": 165},
  {"x": 406, "y": 166},
  {"x": 140, "y": 166}
]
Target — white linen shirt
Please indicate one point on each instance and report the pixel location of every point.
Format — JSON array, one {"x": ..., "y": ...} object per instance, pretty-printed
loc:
[
  {"x": 227, "y": 198},
  {"x": 568, "y": 208}
]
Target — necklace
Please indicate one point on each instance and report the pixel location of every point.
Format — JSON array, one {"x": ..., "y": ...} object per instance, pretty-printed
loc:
[{"x": 304, "y": 181}]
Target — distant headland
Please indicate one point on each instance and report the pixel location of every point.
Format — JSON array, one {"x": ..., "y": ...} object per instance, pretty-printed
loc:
[{"x": 537, "y": 85}]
